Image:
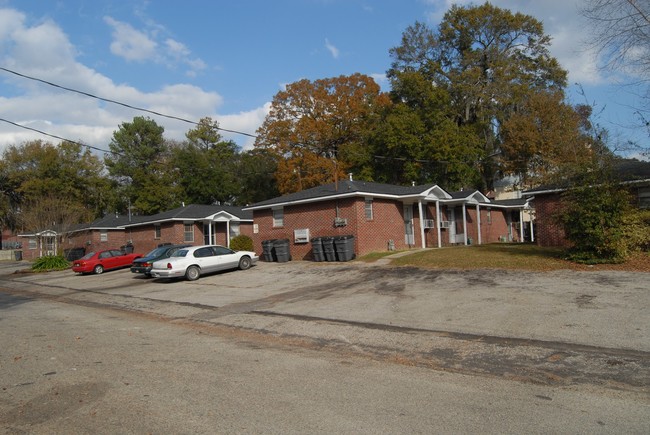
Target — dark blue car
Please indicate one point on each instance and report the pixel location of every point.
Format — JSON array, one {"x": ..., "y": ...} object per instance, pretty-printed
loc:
[{"x": 144, "y": 264}]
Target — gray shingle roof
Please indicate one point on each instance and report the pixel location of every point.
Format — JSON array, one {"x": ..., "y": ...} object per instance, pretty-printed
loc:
[
  {"x": 343, "y": 188},
  {"x": 194, "y": 212},
  {"x": 626, "y": 170},
  {"x": 516, "y": 202}
]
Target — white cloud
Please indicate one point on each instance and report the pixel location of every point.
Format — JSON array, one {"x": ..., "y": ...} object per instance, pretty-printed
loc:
[
  {"x": 177, "y": 49},
  {"x": 246, "y": 122},
  {"x": 332, "y": 49},
  {"x": 10, "y": 20},
  {"x": 129, "y": 43},
  {"x": 142, "y": 46},
  {"x": 45, "y": 52}
]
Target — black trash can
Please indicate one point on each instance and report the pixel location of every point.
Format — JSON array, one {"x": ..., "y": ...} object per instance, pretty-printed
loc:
[
  {"x": 268, "y": 253},
  {"x": 317, "y": 249},
  {"x": 344, "y": 246},
  {"x": 281, "y": 248},
  {"x": 328, "y": 248}
]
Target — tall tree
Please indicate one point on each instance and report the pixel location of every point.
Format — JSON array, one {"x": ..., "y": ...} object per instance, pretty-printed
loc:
[
  {"x": 51, "y": 212},
  {"x": 546, "y": 138},
  {"x": 620, "y": 34},
  {"x": 40, "y": 169},
  {"x": 9, "y": 201},
  {"x": 319, "y": 128},
  {"x": 206, "y": 165},
  {"x": 140, "y": 162},
  {"x": 417, "y": 140},
  {"x": 488, "y": 59},
  {"x": 256, "y": 174}
]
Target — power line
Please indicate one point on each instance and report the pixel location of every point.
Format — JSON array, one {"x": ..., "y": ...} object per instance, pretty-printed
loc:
[
  {"x": 108, "y": 100},
  {"x": 57, "y": 137}
]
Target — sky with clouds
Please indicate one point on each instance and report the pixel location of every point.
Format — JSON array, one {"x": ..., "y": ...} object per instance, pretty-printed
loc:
[{"x": 227, "y": 59}]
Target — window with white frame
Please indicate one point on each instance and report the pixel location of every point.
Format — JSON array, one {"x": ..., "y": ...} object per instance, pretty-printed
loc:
[
  {"x": 234, "y": 229},
  {"x": 278, "y": 217},
  {"x": 156, "y": 232},
  {"x": 103, "y": 236},
  {"x": 368, "y": 209},
  {"x": 188, "y": 232},
  {"x": 32, "y": 243}
]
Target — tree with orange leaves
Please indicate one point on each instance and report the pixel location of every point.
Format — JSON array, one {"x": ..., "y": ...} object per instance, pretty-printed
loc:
[{"x": 319, "y": 128}]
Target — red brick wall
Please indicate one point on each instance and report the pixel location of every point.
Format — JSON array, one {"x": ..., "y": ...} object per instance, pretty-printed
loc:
[
  {"x": 91, "y": 240},
  {"x": 548, "y": 232},
  {"x": 369, "y": 236},
  {"x": 387, "y": 224},
  {"x": 143, "y": 237},
  {"x": 372, "y": 235}
]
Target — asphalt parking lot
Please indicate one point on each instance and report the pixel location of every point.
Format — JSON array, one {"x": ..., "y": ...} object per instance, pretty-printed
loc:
[
  {"x": 554, "y": 328},
  {"x": 602, "y": 309}
]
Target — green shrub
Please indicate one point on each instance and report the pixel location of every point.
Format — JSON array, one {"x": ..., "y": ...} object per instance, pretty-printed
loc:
[
  {"x": 241, "y": 243},
  {"x": 50, "y": 262},
  {"x": 602, "y": 225}
]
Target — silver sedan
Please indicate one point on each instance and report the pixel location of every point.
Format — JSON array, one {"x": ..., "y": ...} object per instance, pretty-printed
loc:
[{"x": 194, "y": 261}]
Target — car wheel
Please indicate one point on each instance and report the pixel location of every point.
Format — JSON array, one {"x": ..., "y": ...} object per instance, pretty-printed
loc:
[
  {"x": 192, "y": 273},
  {"x": 244, "y": 263},
  {"x": 99, "y": 269}
]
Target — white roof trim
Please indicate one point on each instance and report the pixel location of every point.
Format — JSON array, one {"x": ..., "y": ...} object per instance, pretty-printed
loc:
[{"x": 422, "y": 195}]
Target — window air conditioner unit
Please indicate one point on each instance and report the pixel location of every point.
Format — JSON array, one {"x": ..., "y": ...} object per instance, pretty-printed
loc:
[
  {"x": 301, "y": 235},
  {"x": 340, "y": 222},
  {"x": 429, "y": 223},
  {"x": 444, "y": 224}
]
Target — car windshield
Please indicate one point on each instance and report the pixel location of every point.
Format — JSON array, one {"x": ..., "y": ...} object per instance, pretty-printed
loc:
[
  {"x": 88, "y": 256},
  {"x": 180, "y": 253},
  {"x": 156, "y": 252}
]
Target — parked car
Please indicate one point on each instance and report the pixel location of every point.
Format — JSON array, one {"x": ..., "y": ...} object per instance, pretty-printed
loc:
[
  {"x": 195, "y": 261},
  {"x": 144, "y": 264},
  {"x": 73, "y": 254},
  {"x": 98, "y": 262}
]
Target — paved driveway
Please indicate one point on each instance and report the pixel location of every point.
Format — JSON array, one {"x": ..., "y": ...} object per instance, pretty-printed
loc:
[{"x": 603, "y": 309}]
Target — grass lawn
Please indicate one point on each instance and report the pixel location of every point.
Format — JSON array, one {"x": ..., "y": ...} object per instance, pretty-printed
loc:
[{"x": 518, "y": 256}]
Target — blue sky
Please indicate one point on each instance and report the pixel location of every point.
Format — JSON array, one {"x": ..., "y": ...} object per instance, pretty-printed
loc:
[{"x": 227, "y": 59}]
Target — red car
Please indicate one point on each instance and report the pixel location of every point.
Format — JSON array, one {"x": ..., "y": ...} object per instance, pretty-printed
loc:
[{"x": 98, "y": 262}]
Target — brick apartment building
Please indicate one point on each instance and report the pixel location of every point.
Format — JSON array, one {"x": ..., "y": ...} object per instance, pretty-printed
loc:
[
  {"x": 547, "y": 201},
  {"x": 194, "y": 224},
  {"x": 381, "y": 216}
]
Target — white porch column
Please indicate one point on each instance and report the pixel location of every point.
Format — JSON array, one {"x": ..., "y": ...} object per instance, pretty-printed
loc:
[
  {"x": 532, "y": 227},
  {"x": 228, "y": 233},
  {"x": 521, "y": 225},
  {"x": 465, "y": 224},
  {"x": 437, "y": 223},
  {"x": 478, "y": 222},
  {"x": 421, "y": 214}
]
